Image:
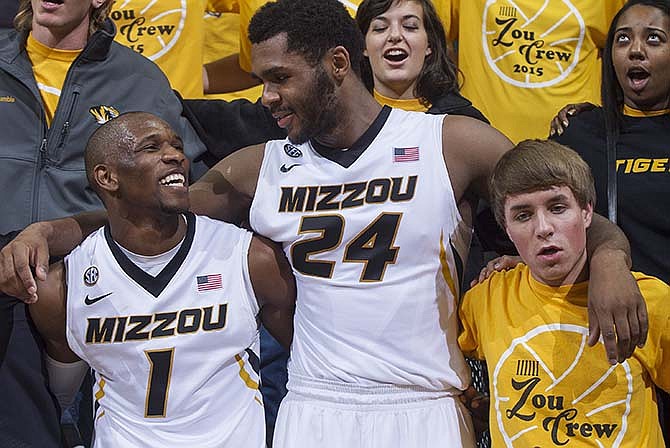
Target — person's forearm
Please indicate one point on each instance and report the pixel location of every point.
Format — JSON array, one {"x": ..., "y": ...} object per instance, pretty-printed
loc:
[
  {"x": 226, "y": 75},
  {"x": 65, "y": 234},
  {"x": 606, "y": 243}
]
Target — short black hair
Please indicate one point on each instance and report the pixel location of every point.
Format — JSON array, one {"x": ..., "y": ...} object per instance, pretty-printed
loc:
[{"x": 312, "y": 28}]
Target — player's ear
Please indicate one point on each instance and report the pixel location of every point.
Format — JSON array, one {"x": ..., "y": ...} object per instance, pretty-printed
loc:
[
  {"x": 587, "y": 214},
  {"x": 105, "y": 178},
  {"x": 508, "y": 235},
  {"x": 340, "y": 63}
]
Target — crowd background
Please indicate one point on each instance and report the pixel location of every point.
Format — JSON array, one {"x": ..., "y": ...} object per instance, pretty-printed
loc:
[{"x": 513, "y": 64}]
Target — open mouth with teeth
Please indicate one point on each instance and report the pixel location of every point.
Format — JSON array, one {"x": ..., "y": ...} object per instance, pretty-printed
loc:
[
  {"x": 395, "y": 55},
  {"x": 55, "y": 2},
  {"x": 173, "y": 180}
]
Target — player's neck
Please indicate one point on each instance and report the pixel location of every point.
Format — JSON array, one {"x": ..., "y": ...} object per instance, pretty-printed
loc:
[
  {"x": 148, "y": 235},
  {"x": 354, "y": 118}
]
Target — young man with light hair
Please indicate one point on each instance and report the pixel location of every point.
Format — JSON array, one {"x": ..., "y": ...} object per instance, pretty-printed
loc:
[{"x": 530, "y": 324}]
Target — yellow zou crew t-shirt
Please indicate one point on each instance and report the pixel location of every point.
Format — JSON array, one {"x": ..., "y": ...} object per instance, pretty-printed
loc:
[
  {"x": 548, "y": 388},
  {"x": 524, "y": 60}
]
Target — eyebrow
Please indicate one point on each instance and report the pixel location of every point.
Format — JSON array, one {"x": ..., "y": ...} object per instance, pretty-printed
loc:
[
  {"x": 266, "y": 73},
  {"x": 156, "y": 136},
  {"x": 405, "y": 17},
  {"x": 647, "y": 28},
  {"x": 556, "y": 198},
  {"x": 146, "y": 138}
]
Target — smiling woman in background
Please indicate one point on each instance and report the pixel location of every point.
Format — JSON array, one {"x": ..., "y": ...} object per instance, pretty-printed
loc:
[{"x": 406, "y": 58}]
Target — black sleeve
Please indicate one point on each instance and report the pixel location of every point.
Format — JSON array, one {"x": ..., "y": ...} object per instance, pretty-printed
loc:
[
  {"x": 226, "y": 126},
  {"x": 456, "y": 104},
  {"x": 470, "y": 111}
]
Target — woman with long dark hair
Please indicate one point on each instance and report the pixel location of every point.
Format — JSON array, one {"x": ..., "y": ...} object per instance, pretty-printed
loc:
[
  {"x": 407, "y": 63},
  {"x": 627, "y": 140}
]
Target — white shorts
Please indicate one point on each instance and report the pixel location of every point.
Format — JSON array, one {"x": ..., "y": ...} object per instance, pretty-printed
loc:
[{"x": 386, "y": 420}]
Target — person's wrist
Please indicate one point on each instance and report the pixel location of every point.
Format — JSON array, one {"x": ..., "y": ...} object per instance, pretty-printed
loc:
[{"x": 608, "y": 258}]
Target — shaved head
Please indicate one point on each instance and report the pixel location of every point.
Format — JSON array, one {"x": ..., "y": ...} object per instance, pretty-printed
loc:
[{"x": 113, "y": 142}]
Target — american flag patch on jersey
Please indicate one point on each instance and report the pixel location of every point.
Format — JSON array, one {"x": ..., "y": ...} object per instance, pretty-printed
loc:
[
  {"x": 208, "y": 282},
  {"x": 406, "y": 154}
]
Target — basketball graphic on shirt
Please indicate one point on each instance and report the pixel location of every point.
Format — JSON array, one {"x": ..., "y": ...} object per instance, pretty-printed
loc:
[
  {"x": 150, "y": 27},
  {"x": 532, "y": 44},
  {"x": 549, "y": 389}
]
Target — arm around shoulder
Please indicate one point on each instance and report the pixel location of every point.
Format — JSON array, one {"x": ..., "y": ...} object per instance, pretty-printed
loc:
[
  {"x": 616, "y": 307},
  {"x": 274, "y": 286},
  {"x": 471, "y": 150},
  {"x": 32, "y": 246},
  {"x": 226, "y": 191}
]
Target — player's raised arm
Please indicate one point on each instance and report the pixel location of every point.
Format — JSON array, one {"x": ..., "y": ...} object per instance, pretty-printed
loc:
[
  {"x": 274, "y": 286},
  {"x": 225, "y": 192}
]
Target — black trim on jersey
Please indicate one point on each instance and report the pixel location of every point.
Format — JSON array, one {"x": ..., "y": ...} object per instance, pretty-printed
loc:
[
  {"x": 348, "y": 157},
  {"x": 153, "y": 285},
  {"x": 254, "y": 360}
]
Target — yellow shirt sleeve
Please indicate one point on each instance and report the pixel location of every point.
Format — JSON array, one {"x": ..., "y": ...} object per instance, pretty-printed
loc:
[
  {"x": 469, "y": 337},
  {"x": 223, "y": 6},
  {"x": 655, "y": 355}
]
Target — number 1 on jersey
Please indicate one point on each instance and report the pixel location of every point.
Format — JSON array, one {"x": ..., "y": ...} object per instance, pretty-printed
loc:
[{"x": 160, "y": 373}]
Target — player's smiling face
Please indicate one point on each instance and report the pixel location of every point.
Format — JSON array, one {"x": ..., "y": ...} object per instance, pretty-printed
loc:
[
  {"x": 548, "y": 228},
  {"x": 154, "y": 173},
  {"x": 641, "y": 57},
  {"x": 396, "y": 44},
  {"x": 300, "y": 96}
]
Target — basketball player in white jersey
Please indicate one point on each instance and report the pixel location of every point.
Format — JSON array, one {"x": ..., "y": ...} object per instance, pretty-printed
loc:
[
  {"x": 163, "y": 304},
  {"x": 372, "y": 208}
]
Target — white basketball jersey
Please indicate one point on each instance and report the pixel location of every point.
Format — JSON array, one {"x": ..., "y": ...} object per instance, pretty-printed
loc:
[
  {"x": 370, "y": 233},
  {"x": 172, "y": 354}
]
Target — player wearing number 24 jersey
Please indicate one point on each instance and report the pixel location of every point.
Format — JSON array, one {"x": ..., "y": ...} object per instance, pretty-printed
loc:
[{"x": 162, "y": 304}]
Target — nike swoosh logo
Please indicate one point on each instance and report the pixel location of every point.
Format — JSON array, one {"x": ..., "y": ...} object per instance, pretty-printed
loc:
[
  {"x": 88, "y": 301},
  {"x": 286, "y": 169}
]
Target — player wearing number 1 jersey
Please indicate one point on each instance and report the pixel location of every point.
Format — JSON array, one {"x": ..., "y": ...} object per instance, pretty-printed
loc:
[{"x": 162, "y": 304}]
